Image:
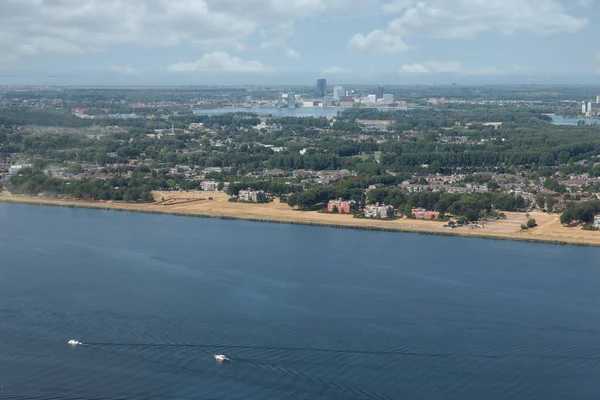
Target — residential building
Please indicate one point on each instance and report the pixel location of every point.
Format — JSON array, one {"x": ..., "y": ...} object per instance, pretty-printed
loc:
[
  {"x": 210, "y": 186},
  {"x": 252, "y": 196},
  {"x": 372, "y": 98},
  {"x": 379, "y": 211},
  {"x": 421, "y": 213},
  {"x": 597, "y": 222},
  {"x": 321, "y": 87},
  {"x": 583, "y": 107},
  {"x": 388, "y": 98},
  {"x": 17, "y": 167},
  {"x": 380, "y": 91},
  {"x": 597, "y": 99},
  {"x": 339, "y": 92},
  {"x": 342, "y": 207}
]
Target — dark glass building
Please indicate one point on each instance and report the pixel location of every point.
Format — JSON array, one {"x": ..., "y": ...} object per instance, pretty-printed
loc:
[{"x": 321, "y": 87}]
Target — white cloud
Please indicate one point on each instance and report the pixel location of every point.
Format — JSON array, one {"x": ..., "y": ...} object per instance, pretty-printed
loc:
[
  {"x": 218, "y": 61},
  {"x": 445, "y": 19},
  {"x": 29, "y": 27},
  {"x": 123, "y": 70},
  {"x": 335, "y": 71},
  {"x": 397, "y": 6},
  {"x": 432, "y": 67},
  {"x": 293, "y": 54},
  {"x": 378, "y": 41},
  {"x": 415, "y": 69},
  {"x": 447, "y": 67}
]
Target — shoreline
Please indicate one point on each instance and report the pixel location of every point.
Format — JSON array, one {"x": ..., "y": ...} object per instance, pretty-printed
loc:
[{"x": 550, "y": 231}]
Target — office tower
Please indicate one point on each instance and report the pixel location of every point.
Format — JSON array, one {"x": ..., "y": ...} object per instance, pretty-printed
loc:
[
  {"x": 321, "y": 87},
  {"x": 291, "y": 100},
  {"x": 589, "y": 107},
  {"x": 380, "y": 90},
  {"x": 388, "y": 98},
  {"x": 597, "y": 99},
  {"x": 280, "y": 100},
  {"x": 338, "y": 92}
]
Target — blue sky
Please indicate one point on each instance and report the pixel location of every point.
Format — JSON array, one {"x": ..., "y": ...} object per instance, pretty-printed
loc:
[{"x": 189, "y": 42}]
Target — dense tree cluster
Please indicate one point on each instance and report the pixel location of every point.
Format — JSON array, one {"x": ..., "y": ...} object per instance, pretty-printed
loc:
[
  {"x": 471, "y": 206},
  {"x": 33, "y": 182},
  {"x": 583, "y": 212}
]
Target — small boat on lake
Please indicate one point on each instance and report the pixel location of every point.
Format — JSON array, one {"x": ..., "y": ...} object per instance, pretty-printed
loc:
[
  {"x": 73, "y": 342},
  {"x": 221, "y": 358}
]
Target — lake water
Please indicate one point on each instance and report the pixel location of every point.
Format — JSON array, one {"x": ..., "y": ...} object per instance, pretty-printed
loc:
[
  {"x": 277, "y": 112},
  {"x": 560, "y": 120},
  {"x": 303, "y": 312}
]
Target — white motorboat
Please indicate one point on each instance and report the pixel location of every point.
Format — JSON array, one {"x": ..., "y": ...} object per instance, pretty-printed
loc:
[
  {"x": 221, "y": 358},
  {"x": 73, "y": 342}
]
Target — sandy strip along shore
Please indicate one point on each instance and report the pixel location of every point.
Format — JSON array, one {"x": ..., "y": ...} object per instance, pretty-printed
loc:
[{"x": 198, "y": 204}]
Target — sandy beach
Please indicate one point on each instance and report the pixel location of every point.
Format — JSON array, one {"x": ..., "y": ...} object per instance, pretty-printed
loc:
[{"x": 216, "y": 205}]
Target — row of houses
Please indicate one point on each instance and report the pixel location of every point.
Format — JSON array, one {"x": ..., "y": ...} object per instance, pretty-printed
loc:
[{"x": 379, "y": 211}]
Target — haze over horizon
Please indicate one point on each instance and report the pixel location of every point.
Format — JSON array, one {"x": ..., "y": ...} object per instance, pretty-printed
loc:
[{"x": 202, "y": 42}]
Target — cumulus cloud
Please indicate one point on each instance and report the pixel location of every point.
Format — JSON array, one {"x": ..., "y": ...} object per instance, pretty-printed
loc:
[
  {"x": 218, "y": 61},
  {"x": 335, "y": 71},
  {"x": 445, "y": 19},
  {"x": 432, "y": 67},
  {"x": 378, "y": 41},
  {"x": 447, "y": 67},
  {"x": 30, "y": 27},
  {"x": 293, "y": 54},
  {"x": 123, "y": 70},
  {"x": 397, "y": 6}
]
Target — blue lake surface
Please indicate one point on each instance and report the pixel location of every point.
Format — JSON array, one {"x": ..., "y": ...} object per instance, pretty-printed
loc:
[
  {"x": 277, "y": 112},
  {"x": 303, "y": 312},
  {"x": 560, "y": 120}
]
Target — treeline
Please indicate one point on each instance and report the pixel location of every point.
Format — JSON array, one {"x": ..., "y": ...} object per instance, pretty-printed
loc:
[
  {"x": 583, "y": 212},
  {"x": 318, "y": 196},
  {"x": 471, "y": 205},
  {"x": 33, "y": 182},
  {"x": 300, "y": 122},
  {"x": 239, "y": 119},
  {"x": 15, "y": 116}
]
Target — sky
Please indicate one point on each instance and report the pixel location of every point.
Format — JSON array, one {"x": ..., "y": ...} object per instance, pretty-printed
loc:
[{"x": 236, "y": 42}]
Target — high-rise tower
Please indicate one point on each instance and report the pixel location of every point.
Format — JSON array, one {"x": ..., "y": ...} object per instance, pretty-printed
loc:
[{"x": 321, "y": 87}]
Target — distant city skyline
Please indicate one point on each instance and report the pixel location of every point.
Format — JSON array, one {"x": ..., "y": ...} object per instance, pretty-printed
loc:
[{"x": 181, "y": 42}]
